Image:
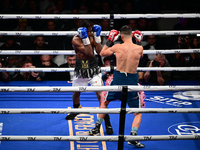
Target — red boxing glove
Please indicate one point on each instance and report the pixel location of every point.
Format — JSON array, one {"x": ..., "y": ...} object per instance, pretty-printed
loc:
[
  {"x": 137, "y": 35},
  {"x": 113, "y": 35}
]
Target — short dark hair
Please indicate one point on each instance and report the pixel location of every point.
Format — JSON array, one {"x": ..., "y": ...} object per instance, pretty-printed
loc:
[
  {"x": 126, "y": 30},
  {"x": 86, "y": 23},
  {"x": 26, "y": 62}
]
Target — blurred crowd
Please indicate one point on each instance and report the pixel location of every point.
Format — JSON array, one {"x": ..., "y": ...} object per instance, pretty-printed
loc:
[{"x": 150, "y": 42}]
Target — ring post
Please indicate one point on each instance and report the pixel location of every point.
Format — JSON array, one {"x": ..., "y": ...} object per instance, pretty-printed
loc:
[{"x": 122, "y": 117}]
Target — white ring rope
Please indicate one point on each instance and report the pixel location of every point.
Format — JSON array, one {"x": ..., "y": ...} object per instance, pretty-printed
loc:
[
  {"x": 103, "y": 33},
  {"x": 97, "y": 16},
  {"x": 96, "y": 111},
  {"x": 72, "y": 52},
  {"x": 96, "y": 88},
  {"x": 97, "y": 138},
  {"x": 102, "y": 69}
]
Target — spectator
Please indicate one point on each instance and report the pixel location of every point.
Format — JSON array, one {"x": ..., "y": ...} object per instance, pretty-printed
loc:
[
  {"x": 4, "y": 76},
  {"x": 105, "y": 8},
  {"x": 39, "y": 44},
  {"x": 6, "y": 7},
  {"x": 184, "y": 59},
  {"x": 23, "y": 26},
  {"x": 142, "y": 24},
  {"x": 54, "y": 42},
  {"x": 33, "y": 7},
  {"x": 95, "y": 6},
  {"x": 44, "y": 4},
  {"x": 105, "y": 74},
  {"x": 153, "y": 45},
  {"x": 128, "y": 8},
  {"x": 158, "y": 77},
  {"x": 147, "y": 6},
  {"x": 60, "y": 7},
  {"x": 133, "y": 24},
  {"x": 27, "y": 76},
  {"x": 184, "y": 24},
  {"x": 20, "y": 6},
  {"x": 13, "y": 61},
  {"x": 105, "y": 24},
  {"x": 46, "y": 62},
  {"x": 69, "y": 24},
  {"x": 10, "y": 44},
  {"x": 51, "y": 25},
  {"x": 71, "y": 63}
]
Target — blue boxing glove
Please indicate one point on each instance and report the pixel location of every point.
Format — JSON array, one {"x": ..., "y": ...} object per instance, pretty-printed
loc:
[
  {"x": 97, "y": 32},
  {"x": 82, "y": 32}
]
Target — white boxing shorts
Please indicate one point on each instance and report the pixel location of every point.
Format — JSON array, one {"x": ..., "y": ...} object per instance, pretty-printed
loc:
[{"x": 96, "y": 80}]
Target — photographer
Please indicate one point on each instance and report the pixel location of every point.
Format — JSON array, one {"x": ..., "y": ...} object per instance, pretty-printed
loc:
[
  {"x": 158, "y": 77},
  {"x": 4, "y": 76},
  {"x": 27, "y": 76}
]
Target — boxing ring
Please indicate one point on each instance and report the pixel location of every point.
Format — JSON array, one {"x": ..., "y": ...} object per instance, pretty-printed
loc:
[{"x": 32, "y": 114}]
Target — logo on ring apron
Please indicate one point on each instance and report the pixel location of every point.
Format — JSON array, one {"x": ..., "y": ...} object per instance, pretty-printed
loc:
[
  {"x": 185, "y": 128},
  {"x": 187, "y": 95},
  {"x": 85, "y": 64}
]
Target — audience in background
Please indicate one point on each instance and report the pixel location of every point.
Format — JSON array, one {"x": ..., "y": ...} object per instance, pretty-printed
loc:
[
  {"x": 153, "y": 44},
  {"x": 28, "y": 76},
  {"x": 46, "y": 62},
  {"x": 39, "y": 44},
  {"x": 157, "y": 77},
  {"x": 96, "y": 7},
  {"x": 71, "y": 63},
  {"x": 4, "y": 76}
]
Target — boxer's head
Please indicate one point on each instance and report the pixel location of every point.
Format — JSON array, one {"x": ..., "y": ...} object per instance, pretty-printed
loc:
[
  {"x": 88, "y": 24},
  {"x": 126, "y": 31}
]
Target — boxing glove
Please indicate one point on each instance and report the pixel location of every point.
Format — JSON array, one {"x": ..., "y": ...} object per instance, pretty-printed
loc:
[
  {"x": 82, "y": 32},
  {"x": 112, "y": 36},
  {"x": 97, "y": 32},
  {"x": 137, "y": 35}
]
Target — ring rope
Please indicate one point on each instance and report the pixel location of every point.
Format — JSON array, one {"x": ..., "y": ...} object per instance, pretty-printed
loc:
[
  {"x": 102, "y": 69},
  {"x": 98, "y": 16},
  {"x": 98, "y": 138},
  {"x": 96, "y": 111},
  {"x": 96, "y": 88},
  {"x": 72, "y": 52},
  {"x": 103, "y": 33}
]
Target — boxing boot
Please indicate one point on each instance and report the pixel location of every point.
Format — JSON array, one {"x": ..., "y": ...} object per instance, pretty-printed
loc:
[
  {"x": 71, "y": 116},
  {"x": 135, "y": 143},
  {"x": 95, "y": 131},
  {"x": 109, "y": 129}
]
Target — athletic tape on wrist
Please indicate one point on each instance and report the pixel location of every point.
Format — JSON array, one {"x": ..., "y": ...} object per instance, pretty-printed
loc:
[
  {"x": 109, "y": 43},
  {"x": 86, "y": 41},
  {"x": 97, "y": 39}
]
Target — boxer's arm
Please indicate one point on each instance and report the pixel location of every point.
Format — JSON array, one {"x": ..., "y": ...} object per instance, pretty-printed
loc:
[
  {"x": 97, "y": 38},
  {"x": 78, "y": 45},
  {"x": 106, "y": 51},
  {"x": 84, "y": 45},
  {"x": 98, "y": 48}
]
